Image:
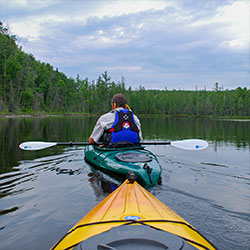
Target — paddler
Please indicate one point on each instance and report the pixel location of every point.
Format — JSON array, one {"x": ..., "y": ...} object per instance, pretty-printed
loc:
[{"x": 120, "y": 125}]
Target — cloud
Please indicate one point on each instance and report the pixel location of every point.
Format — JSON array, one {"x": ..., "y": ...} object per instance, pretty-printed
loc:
[
  {"x": 148, "y": 42},
  {"x": 237, "y": 19}
]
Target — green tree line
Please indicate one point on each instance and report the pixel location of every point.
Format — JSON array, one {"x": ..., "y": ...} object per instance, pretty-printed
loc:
[{"x": 28, "y": 85}]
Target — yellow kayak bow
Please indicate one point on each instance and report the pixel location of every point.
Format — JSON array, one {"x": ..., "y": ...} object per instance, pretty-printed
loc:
[{"x": 131, "y": 207}]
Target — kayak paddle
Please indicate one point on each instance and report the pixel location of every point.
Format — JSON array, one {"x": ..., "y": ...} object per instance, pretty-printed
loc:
[{"x": 189, "y": 144}]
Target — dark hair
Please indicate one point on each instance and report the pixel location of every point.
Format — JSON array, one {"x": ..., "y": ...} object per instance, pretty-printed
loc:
[{"x": 120, "y": 100}]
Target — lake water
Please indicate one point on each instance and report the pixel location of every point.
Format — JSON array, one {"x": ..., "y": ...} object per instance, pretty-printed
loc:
[{"x": 44, "y": 193}]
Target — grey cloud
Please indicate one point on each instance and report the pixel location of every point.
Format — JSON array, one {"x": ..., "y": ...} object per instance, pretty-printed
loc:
[{"x": 151, "y": 48}]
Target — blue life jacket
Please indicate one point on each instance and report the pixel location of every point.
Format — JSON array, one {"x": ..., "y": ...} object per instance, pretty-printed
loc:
[{"x": 124, "y": 127}]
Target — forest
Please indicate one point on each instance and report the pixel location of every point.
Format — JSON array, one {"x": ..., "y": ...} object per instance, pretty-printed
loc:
[{"x": 30, "y": 86}]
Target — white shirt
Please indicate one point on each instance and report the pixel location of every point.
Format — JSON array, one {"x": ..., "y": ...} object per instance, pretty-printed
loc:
[{"x": 106, "y": 121}]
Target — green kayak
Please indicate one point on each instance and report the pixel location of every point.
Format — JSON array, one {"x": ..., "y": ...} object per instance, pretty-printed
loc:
[{"x": 119, "y": 161}]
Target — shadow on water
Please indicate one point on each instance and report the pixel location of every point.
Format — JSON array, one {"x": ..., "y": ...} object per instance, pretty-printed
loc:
[{"x": 54, "y": 188}]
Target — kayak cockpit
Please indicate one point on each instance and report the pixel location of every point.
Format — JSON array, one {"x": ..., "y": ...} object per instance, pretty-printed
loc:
[
  {"x": 133, "y": 157},
  {"x": 128, "y": 237}
]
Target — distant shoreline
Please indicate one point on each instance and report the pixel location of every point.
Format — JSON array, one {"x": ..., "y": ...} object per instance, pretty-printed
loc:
[{"x": 41, "y": 115}]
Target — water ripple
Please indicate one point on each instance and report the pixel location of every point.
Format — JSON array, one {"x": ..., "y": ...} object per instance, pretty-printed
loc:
[{"x": 9, "y": 210}]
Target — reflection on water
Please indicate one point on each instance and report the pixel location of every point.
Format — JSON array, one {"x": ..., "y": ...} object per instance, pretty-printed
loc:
[
  {"x": 102, "y": 183},
  {"x": 219, "y": 131},
  {"x": 16, "y": 130},
  {"x": 44, "y": 193}
]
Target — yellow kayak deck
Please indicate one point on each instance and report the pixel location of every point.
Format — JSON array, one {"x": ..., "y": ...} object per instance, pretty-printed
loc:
[{"x": 131, "y": 204}]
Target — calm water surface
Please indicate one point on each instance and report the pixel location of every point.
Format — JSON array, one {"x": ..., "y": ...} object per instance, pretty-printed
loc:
[{"x": 44, "y": 193}]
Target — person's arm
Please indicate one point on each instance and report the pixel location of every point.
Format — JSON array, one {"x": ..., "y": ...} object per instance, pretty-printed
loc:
[
  {"x": 103, "y": 123},
  {"x": 91, "y": 140},
  {"x": 97, "y": 132},
  {"x": 138, "y": 124}
]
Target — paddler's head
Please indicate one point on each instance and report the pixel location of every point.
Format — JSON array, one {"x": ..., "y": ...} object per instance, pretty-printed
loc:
[{"x": 119, "y": 101}]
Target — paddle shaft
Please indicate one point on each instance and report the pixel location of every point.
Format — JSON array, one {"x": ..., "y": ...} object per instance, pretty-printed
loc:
[
  {"x": 189, "y": 144},
  {"x": 155, "y": 142},
  {"x": 86, "y": 143},
  {"x": 72, "y": 143}
]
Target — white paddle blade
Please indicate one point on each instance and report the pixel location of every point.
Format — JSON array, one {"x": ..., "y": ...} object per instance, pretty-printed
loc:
[
  {"x": 190, "y": 144},
  {"x": 36, "y": 145}
]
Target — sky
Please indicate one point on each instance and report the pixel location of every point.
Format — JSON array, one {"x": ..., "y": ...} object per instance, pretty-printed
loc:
[{"x": 157, "y": 44}]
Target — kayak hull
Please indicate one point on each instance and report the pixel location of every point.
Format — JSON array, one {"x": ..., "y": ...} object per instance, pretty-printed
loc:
[
  {"x": 119, "y": 161},
  {"x": 128, "y": 206}
]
